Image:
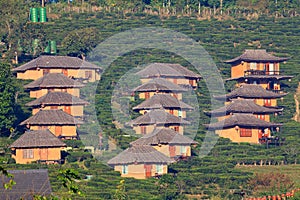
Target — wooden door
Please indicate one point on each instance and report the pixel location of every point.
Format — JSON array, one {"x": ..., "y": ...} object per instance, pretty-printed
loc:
[
  {"x": 148, "y": 169},
  {"x": 147, "y": 95},
  {"x": 67, "y": 109},
  {"x": 172, "y": 150},
  {"x": 44, "y": 154}
]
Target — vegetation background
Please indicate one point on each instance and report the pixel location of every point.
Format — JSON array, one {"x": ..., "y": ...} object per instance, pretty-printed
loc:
[{"x": 224, "y": 28}]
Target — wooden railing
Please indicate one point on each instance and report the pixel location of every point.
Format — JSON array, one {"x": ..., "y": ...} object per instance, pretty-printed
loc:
[{"x": 261, "y": 72}]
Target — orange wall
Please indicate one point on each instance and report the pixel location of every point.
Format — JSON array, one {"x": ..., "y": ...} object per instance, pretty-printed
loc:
[
  {"x": 150, "y": 128},
  {"x": 76, "y": 111},
  {"x": 234, "y": 135},
  {"x": 76, "y": 73},
  {"x": 67, "y": 130},
  {"x": 175, "y": 112},
  {"x": 53, "y": 154},
  {"x": 138, "y": 171},
  {"x": 41, "y": 92},
  {"x": 176, "y": 95}
]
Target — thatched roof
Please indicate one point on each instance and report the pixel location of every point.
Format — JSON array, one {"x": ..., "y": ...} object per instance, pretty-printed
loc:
[
  {"x": 258, "y": 55},
  {"x": 249, "y": 91},
  {"x": 28, "y": 184},
  {"x": 51, "y": 117},
  {"x": 57, "y": 98},
  {"x": 159, "y": 117},
  {"x": 159, "y": 85},
  {"x": 162, "y": 101},
  {"x": 61, "y": 62},
  {"x": 163, "y": 136},
  {"x": 243, "y": 106},
  {"x": 54, "y": 80},
  {"x": 167, "y": 70},
  {"x": 39, "y": 138},
  {"x": 243, "y": 121},
  {"x": 140, "y": 155}
]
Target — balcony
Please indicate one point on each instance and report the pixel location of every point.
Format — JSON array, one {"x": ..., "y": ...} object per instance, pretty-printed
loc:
[
  {"x": 272, "y": 141},
  {"x": 261, "y": 73}
]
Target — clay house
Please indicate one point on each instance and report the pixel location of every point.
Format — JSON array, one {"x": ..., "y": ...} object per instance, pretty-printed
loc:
[
  {"x": 72, "y": 67},
  {"x": 29, "y": 183},
  {"x": 39, "y": 145},
  {"x": 168, "y": 142},
  {"x": 53, "y": 83},
  {"x": 257, "y": 93},
  {"x": 61, "y": 124},
  {"x": 244, "y": 106},
  {"x": 174, "y": 73},
  {"x": 243, "y": 128},
  {"x": 258, "y": 67},
  {"x": 159, "y": 86},
  {"x": 140, "y": 162},
  {"x": 155, "y": 119},
  {"x": 169, "y": 103},
  {"x": 59, "y": 100}
]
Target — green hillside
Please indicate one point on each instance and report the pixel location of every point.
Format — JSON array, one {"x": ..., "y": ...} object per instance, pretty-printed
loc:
[{"x": 212, "y": 176}]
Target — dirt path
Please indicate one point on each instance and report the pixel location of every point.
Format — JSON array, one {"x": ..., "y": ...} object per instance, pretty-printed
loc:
[{"x": 296, "y": 96}]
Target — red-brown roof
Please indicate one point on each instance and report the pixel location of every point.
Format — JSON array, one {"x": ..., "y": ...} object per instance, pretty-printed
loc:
[
  {"x": 54, "y": 80},
  {"x": 243, "y": 106},
  {"x": 159, "y": 85},
  {"x": 51, "y": 117},
  {"x": 163, "y": 136},
  {"x": 39, "y": 138},
  {"x": 167, "y": 70},
  {"x": 140, "y": 155},
  {"x": 57, "y": 98},
  {"x": 250, "y": 91},
  {"x": 243, "y": 121},
  {"x": 162, "y": 101},
  {"x": 159, "y": 117},
  {"x": 64, "y": 62},
  {"x": 259, "y": 55}
]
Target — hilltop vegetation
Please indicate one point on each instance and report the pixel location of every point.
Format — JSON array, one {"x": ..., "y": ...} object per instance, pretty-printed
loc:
[{"x": 214, "y": 175}]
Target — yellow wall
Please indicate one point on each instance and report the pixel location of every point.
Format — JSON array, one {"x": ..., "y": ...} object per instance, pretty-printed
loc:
[
  {"x": 30, "y": 74},
  {"x": 76, "y": 73},
  {"x": 176, "y": 95},
  {"x": 234, "y": 135},
  {"x": 76, "y": 111},
  {"x": 41, "y": 92},
  {"x": 165, "y": 150},
  {"x": 238, "y": 70},
  {"x": 67, "y": 130},
  {"x": 175, "y": 112},
  {"x": 138, "y": 171},
  {"x": 150, "y": 128},
  {"x": 178, "y": 81},
  {"x": 53, "y": 154}
]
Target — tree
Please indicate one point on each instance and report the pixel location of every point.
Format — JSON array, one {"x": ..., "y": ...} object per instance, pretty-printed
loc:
[
  {"x": 7, "y": 99},
  {"x": 12, "y": 17},
  {"x": 80, "y": 42}
]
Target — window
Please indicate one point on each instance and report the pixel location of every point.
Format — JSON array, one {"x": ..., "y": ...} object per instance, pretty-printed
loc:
[
  {"x": 53, "y": 107},
  {"x": 28, "y": 153},
  {"x": 267, "y": 102},
  {"x": 245, "y": 132},
  {"x": 176, "y": 128},
  {"x": 253, "y": 66},
  {"x": 182, "y": 149},
  {"x": 143, "y": 130},
  {"x": 262, "y": 117},
  {"x": 191, "y": 82},
  {"x": 88, "y": 74},
  {"x": 125, "y": 169},
  {"x": 179, "y": 113},
  {"x": 171, "y": 111},
  {"x": 159, "y": 169},
  {"x": 147, "y": 95}
]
